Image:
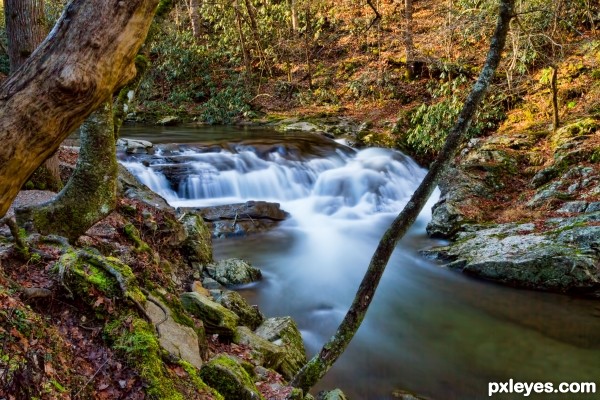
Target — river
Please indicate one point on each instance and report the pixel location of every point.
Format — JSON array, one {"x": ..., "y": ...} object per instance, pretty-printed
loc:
[{"x": 429, "y": 330}]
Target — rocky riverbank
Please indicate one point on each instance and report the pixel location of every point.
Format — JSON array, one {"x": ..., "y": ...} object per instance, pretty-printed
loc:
[
  {"x": 141, "y": 308},
  {"x": 522, "y": 209}
]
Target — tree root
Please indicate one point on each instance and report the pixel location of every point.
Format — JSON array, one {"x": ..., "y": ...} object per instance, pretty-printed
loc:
[{"x": 20, "y": 244}]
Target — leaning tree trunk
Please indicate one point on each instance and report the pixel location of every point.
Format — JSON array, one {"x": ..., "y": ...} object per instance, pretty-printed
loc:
[
  {"x": 26, "y": 29},
  {"x": 88, "y": 55},
  {"x": 316, "y": 368},
  {"x": 91, "y": 193}
]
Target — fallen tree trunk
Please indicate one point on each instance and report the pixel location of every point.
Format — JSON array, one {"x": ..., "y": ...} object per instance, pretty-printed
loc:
[{"x": 88, "y": 55}]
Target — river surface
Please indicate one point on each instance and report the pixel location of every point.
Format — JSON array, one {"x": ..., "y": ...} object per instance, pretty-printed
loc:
[{"x": 429, "y": 330}]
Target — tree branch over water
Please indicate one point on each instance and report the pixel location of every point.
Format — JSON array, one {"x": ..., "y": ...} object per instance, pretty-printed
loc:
[{"x": 318, "y": 366}]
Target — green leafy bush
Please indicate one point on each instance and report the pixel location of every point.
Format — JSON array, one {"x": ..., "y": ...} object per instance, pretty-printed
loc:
[{"x": 430, "y": 123}]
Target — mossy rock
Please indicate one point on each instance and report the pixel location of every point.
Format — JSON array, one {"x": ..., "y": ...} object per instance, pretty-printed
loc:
[
  {"x": 197, "y": 247},
  {"x": 135, "y": 339},
  {"x": 227, "y": 376},
  {"x": 586, "y": 126},
  {"x": 216, "y": 318},
  {"x": 264, "y": 352},
  {"x": 283, "y": 332},
  {"x": 249, "y": 316}
]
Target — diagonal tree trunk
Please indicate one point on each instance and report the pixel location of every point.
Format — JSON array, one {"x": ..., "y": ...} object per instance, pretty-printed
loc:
[
  {"x": 86, "y": 58},
  {"x": 316, "y": 368}
]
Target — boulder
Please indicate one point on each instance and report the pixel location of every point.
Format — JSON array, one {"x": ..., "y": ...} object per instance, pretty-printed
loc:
[
  {"x": 197, "y": 247},
  {"x": 283, "y": 332},
  {"x": 335, "y": 394},
  {"x": 134, "y": 146},
  {"x": 233, "y": 271},
  {"x": 216, "y": 318},
  {"x": 300, "y": 126},
  {"x": 178, "y": 340},
  {"x": 563, "y": 259},
  {"x": 264, "y": 352},
  {"x": 169, "y": 120},
  {"x": 249, "y": 316},
  {"x": 240, "y": 218},
  {"x": 227, "y": 376}
]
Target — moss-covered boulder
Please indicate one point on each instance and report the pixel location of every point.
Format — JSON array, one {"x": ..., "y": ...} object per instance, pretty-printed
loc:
[
  {"x": 249, "y": 316},
  {"x": 233, "y": 271},
  {"x": 179, "y": 340},
  {"x": 265, "y": 353},
  {"x": 283, "y": 332},
  {"x": 216, "y": 318},
  {"x": 227, "y": 376},
  {"x": 561, "y": 259},
  {"x": 197, "y": 247}
]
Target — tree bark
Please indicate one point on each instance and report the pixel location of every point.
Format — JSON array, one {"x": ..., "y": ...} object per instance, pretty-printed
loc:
[
  {"x": 294, "y": 15},
  {"x": 91, "y": 193},
  {"x": 193, "y": 8},
  {"x": 88, "y": 55},
  {"x": 316, "y": 368}
]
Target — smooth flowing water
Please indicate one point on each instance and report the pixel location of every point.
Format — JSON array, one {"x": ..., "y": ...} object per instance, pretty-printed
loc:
[{"x": 429, "y": 330}]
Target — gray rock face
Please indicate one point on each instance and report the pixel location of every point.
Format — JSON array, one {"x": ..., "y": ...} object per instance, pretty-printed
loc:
[
  {"x": 300, "y": 126},
  {"x": 228, "y": 377},
  {"x": 233, "y": 271},
  {"x": 216, "y": 318},
  {"x": 562, "y": 259},
  {"x": 283, "y": 332},
  {"x": 177, "y": 339},
  {"x": 240, "y": 219}
]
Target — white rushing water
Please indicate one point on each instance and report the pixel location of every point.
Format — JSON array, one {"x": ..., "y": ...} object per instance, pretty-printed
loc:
[{"x": 429, "y": 330}]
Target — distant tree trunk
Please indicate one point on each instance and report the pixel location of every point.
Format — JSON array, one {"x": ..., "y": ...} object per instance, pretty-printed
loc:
[
  {"x": 554, "y": 88},
  {"x": 26, "y": 29},
  {"x": 193, "y": 8},
  {"x": 87, "y": 57},
  {"x": 294, "y": 15},
  {"x": 316, "y": 368},
  {"x": 408, "y": 39},
  {"x": 91, "y": 193},
  {"x": 240, "y": 28}
]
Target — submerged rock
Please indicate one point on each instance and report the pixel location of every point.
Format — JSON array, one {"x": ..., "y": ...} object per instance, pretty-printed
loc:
[{"x": 134, "y": 146}]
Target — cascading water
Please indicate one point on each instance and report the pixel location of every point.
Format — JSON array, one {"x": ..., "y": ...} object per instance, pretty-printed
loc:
[{"x": 428, "y": 330}]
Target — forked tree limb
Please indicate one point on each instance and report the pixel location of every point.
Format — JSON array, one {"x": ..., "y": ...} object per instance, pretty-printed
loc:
[{"x": 318, "y": 366}]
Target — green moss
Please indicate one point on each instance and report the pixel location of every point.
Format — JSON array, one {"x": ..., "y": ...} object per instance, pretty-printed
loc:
[
  {"x": 135, "y": 339},
  {"x": 132, "y": 233},
  {"x": 197, "y": 381},
  {"x": 230, "y": 378}
]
